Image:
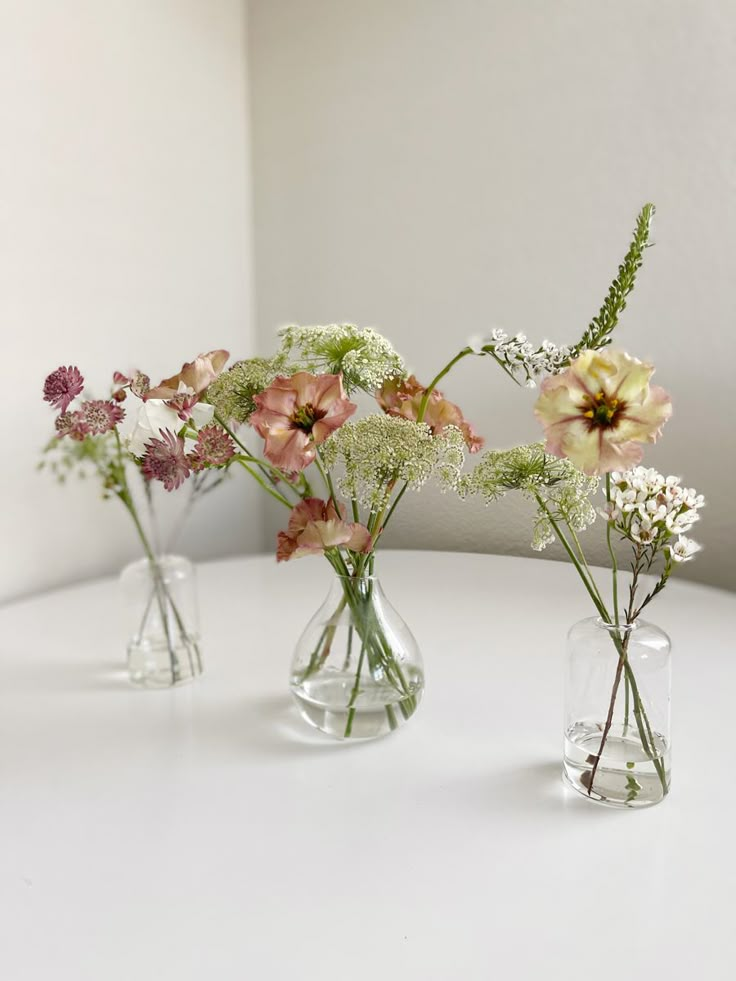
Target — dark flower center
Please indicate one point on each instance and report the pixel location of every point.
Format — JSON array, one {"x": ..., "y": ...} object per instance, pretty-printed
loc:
[
  {"x": 304, "y": 417},
  {"x": 602, "y": 412}
]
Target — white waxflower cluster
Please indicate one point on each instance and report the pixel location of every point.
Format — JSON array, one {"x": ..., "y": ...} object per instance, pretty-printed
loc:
[
  {"x": 378, "y": 451},
  {"x": 651, "y": 510},
  {"x": 554, "y": 484},
  {"x": 363, "y": 356},
  {"x": 518, "y": 356},
  {"x": 233, "y": 392}
]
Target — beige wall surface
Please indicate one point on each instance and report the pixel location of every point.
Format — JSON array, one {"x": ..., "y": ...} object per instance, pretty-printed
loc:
[
  {"x": 124, "y": 241},
  {"x": 434, "y": 169}
]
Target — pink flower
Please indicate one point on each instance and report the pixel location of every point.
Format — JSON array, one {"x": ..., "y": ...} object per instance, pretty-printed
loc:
[
  {"x": 598, "y": 411},
  {"x": 212, "y": 449},
  {"x": 294, "y": 415},
  {"x": 71, "y": 424},
  {"x": 316, "y": 525},
  {"x": 403, "y": 397},
  {"x": 165, "y": 460},
  {"x": 194, "y": 377},
  {"x": 100, "y": 416},
  {"x": 62, "y": 387}
]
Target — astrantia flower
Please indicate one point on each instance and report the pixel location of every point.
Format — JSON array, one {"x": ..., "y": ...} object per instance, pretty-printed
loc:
[
  {"x": 379, "y": 450},
  {"x": 212, "y": 449},
  {"x": 363, "y": 357},
  {"x": 71, "y": 424},
  {"x": 314, "y": 526},
  {"x": 62, "y": 387},
  {"x": 599, "y": 410},
  {"x": 403, "y": 397},
  {"x": 157, "y": 416},
  {"x": 100, "y": 416},
  {"x": 194, "y": 377},
  {"x": 296, "y": 414},
  {"x": 165, "y": 460}
]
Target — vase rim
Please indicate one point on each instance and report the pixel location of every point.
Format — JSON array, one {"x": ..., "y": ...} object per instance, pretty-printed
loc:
[
  {"x": 370, "y": 578},
  {"x": 612, "y": 626}
]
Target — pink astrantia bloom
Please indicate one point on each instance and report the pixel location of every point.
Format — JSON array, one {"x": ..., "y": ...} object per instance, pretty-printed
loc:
[
  {"x": 212, "y": 449},
  {"x": 100, "y": 416},
  {"x": 294, "y": 415},
  {"x": 71, "y": 424},
  {"x": 316, "y": 525},
  {"x": 599, "y": 411},
  {"x": 165, "y": 460},
  {"x": 403, "y": 397},
  {"x": 194, "y": 377},
  {"x": 62, "y": 387}
]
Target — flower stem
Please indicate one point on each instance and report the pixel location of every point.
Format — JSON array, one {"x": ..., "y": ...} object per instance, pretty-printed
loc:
[{"x": 438, "y": 378}]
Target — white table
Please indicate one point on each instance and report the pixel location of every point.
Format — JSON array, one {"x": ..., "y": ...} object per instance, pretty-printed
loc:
[{"x": 207, "y": 833}]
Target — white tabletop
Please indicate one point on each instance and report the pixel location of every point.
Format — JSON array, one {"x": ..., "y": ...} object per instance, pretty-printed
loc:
[{"x": 206, "y": 833}]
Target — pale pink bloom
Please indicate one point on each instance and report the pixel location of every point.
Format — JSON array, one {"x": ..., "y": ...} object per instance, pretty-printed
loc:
[
  {"x": 100, "y": 416},
  {"x": 62, "y": 387},
  {"x": 316, "y": 525},
  {"x": 212, "y": 449},
  {"x": 403, "y": 397},
  {"x": 194, "y": 377},
  {"x": 294, "y": 415},
  {"x": 165, "y": 460},
  {"x": 600, "y": 409}
]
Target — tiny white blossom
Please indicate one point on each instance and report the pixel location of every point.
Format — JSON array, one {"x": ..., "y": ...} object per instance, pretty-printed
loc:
[{"x": 684, "y": 549}]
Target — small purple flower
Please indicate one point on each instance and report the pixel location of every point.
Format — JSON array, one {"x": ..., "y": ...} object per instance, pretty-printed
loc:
[
  {"x": 213, "y": 448},
  {"x": 62, "y": 387},
  {"x": 100, "y": 416},
  {"x": 165, "y": 460}
]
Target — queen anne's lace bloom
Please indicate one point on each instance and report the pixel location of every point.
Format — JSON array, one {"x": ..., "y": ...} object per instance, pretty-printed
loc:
[
  {"x": 377, "y": 451},
  {"x": 233, "y": 392},
  {"x": 562, "y": 487},
  {"x": 363, "y": 356}
]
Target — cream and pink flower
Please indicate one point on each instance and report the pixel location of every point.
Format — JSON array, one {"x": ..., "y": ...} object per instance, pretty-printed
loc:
[
  {"x": 194, "y": 377},
  {"x": 100, "y": 416},
  {"x": 294, "y": 415},
  {"x": 403, "y": 397},
  {"x": 62, "y": 386},
  {"x": 165, "y": 460},
  {"x": 599, "y": 411},
  {"x": 316, "y": 525}
]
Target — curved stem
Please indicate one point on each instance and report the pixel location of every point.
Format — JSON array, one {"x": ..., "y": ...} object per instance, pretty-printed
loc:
[
  {"x": 438, "y": 378},
  {"x": 269, "y": 490}
]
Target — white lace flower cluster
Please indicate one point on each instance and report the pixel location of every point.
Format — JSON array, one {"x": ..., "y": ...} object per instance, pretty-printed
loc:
[
  {"x": 233, "y": 392},
  {"x": 378, "y": 451},
  {"x": 518, "y": 356},
  {"x": 651, "y": 510},
  {"x": 365, "y": 357},
  {"x": 560, "y": 490}
]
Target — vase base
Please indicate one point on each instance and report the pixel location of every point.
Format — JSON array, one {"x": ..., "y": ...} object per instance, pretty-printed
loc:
[
  {"x": 151, "y": 667},
  {"x": 324, "y": 702},
  {"x": 625, "y": 775}
]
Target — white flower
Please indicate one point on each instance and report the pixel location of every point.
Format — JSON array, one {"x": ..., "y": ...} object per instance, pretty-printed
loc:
[
  {"x": 155, "y": 415},
  {"x": 684, "y": 549},
  {"x": 643, "y": 531}
]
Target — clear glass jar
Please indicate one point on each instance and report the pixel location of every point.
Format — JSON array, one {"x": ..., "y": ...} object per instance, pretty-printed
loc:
[
  {"x": 617, "y": 712},
  {"x": 161, "y": 604},
  {"x": 357, "y": 671}
]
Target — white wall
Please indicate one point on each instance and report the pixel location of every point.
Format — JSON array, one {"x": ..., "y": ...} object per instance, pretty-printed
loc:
[
  {"x": 433, "y": 168},
  {"x": 124, "y": 240}
]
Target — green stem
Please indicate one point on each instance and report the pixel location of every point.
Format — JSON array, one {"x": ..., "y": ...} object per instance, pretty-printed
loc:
[
  {"x": 269, "y": 490},
  {"x": 612, "y": 553},
  {"x": 438, "y": 378}
]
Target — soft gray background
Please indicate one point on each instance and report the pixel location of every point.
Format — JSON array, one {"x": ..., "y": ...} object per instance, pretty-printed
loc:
[{"x": 428, "y": 168}]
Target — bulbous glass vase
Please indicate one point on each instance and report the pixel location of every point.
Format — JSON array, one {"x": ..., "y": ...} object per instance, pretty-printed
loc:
[
  {"x": 357, "y": 671},
  {"x": 161, "y": 603},
  {"x": 617, "y": 712}
]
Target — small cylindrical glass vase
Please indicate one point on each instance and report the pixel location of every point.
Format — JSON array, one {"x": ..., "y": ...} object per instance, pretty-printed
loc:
[
  {"x": 161, "y": 604},
  {"x": 357, "y": 671},
  {"x": 617, "y": 712}
]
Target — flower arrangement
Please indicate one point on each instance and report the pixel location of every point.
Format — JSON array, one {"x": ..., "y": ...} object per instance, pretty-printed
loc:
[{"x": 598, "y": 413}]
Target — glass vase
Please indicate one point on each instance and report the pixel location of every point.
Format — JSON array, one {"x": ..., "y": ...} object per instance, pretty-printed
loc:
[
  {"x": 617, "y": 712},
  {"x": 161, "y": 604},
  {"x": 357, "y": 670}
]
